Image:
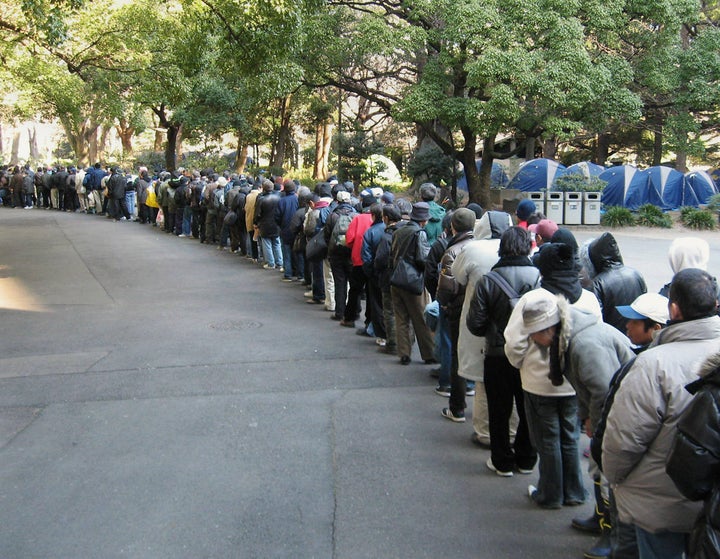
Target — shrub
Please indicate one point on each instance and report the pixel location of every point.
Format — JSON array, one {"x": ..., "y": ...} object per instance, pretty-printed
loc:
[
  {"x": 652, "y": 216},
  {"x": 714, "y": 203},
  {"x": 699, "y": 219},
  {"x": 685, "y": 211},
  {"x": 578, "y": 183},
  {"x": 617, "y": 216}
]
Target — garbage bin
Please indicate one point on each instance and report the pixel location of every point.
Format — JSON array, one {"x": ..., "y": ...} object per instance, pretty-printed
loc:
[
  {"x": 539, "y": 199},
  {"x": 573, "y": 208},
  {"x": 554, "y": 206},
  {"x": 591, "y": 208}
]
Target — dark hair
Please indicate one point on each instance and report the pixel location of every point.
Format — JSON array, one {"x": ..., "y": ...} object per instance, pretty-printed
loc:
[
  {"x": 392, "y": 212},
  {"x": 694, "y": 291},
  {"x": 535, "y": 217},
  {"x": 376, "y": 211},
  {"x": 649, "y": 324},
  {"x": 515, "y": 242}
]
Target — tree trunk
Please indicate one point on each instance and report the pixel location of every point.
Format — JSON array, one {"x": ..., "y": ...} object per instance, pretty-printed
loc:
[
  {"x": 681, "y": 161},
  {"x": 549, "y": 148},
  {"x": 2, "y": 144},
  {"x": 158, "y": 142},
  {"x": 657, "y": 146},
  {"x": 126, "y": 132},
  {"x": 323, "y": 137},
  {"x": 602, "y": 150},
  {"x": 33, "y": 144},
  {"x": 282, "y": 139},
  {"x": 102, "y": 142},
  {"x": 171, "y": 147},
  {"x": 530, "y": 147},
  {"x": 179, "y": 150},
  {"x": 93, "y": 155},
  {"x": 15, "y": 154},
  {"x": 488, "y": 157},
  {"x": 477, "y": 193},
  {"x": 241, "y": 153}
]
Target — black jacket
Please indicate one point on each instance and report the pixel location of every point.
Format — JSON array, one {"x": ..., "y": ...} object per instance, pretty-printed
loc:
[
  {"x": 490, "y": 308},
  {"x": 614, "y": 284},
  {"x": 265, "y": 214},
  {"x": 694, "y": 461}
]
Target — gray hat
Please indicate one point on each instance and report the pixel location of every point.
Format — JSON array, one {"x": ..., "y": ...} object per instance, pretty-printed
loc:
[
  {"x": 540, "y": 311},
  {"x": 420, "y": 212},
  {"x": 463, "y": 220},
  {"x": 428, "y": 191}
]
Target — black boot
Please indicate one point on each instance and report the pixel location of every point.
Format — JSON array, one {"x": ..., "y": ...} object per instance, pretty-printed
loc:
[{"x": 593, "y": 524}]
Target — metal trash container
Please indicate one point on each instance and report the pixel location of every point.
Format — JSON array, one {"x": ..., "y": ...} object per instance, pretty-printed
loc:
[
  {"x": 554, "y": 206},
  {"x": 539, "y": 199},
  {"x": 573, "y": 208},
  {"x": 592, "y": 202}
]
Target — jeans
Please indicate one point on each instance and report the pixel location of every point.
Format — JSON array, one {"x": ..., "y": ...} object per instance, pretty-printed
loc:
[
  {"x": 318, "y": 281},
  {"x": 555, "y": 430},
  {"x": 287, "y": 257},
  {"x": 663, "y": 545},
  {"x": 272, "y": 252},
  {"x": 130, "y": 202},
  {"x": 187, "y": 221}
]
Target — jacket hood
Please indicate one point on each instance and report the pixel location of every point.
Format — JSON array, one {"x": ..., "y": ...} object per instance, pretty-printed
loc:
[
  {"x": 492, "y": 225},
  {"x": 688, "y": 252},
  {"x": 709, "y": 374},
  {"x": 437, "y": 212},
  {"x": 573, "y": 322},
  {"x": 604, "y": 253}
]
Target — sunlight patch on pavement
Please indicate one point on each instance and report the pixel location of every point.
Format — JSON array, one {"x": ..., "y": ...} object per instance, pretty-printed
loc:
[{"x": 15, "y": 296}]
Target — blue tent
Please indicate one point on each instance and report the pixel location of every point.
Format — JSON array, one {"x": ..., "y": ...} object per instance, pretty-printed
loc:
[
  {"x": 536, "y": 175},
  {"x": 702, "y": 185},
  {"x": 674, "y": 192},
  {"x": 498, "y": 176},
  {"x": 618, "y": 181},
  {"x": 585, "y": 168}
]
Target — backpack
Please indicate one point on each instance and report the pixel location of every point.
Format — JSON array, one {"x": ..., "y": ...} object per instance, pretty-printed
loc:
[
  {"x": 512, "y": 295},
  {"x": 218, "y": 198},
  {"x": 337, "y": 236}
]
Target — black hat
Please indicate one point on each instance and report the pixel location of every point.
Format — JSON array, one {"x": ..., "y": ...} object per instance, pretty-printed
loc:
[{"x": 420, "y": 212}]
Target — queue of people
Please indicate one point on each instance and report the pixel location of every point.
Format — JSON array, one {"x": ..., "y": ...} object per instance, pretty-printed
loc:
[{"x": 549, "y": 339}]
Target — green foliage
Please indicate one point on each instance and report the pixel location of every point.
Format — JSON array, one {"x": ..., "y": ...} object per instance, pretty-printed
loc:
[
  {"x": 578, "y": 183},
  {"x": 685, "y": 211},
  {"x": 698, "y": 219},
  {"x": 430, "y": 164},
  {"x": 650, "y": 215},
  {"x": 617, "y": 216},
  {"x": 714, "y": 203}
]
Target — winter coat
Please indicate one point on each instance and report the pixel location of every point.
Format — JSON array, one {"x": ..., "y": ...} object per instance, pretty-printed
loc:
[
  {"x": 450, "y": 292},
  {"x": 614, "y": 284},
  {"x": 337, "y": 252},
  {"x": 286, "y": 207},
  {"x": 404, "y": 247},
  {"x": 354, "y": 236},
  {"x": 382, "y": 267},
  {"x": 250, "y": 201},
  {"x": 694, "y": 461},
  {"x": 476, "y": 260},
  {"x": 642, "y": 422},
  {"x": 371, "y": 240},
  {"x": 490, "y": 308},
  {"x": 432, "y": 265},
  {"x": 265, "y": 207},
  {"x": 433, "y": 228},
  {"x": 116, "y": 186}
]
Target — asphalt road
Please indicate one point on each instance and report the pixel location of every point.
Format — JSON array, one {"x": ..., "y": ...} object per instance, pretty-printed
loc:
[{"x": 163, "y": 399}]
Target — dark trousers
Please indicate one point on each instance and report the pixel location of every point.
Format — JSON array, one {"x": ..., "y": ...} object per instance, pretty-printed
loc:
[
  {"x": 458, "y": 385},
  {"x": 318, "y": 280},
  {"x": 341, "y": 271},
  {"x": 357, "y": 287},
  {"x": 374, "y": 308},
  {"x": 503, "y": 388}
]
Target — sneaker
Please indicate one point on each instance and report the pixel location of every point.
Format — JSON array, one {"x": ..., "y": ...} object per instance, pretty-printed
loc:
[
  {"x": 381, "y": 342},
  {"x": 286, "y": 280},
  {"x": 268, "y": 267},
  {"x": 448, "y": 414},
  {"x": 182, "y": 235},
  {"x": 524, "y": 471},
  {"x": 347, "y": 324},
  {"x": 492, "y": 468},
  {"x": 280, "y": 269},
  {"x": 308, "y": 294},
  {"x": 477, "y": 441},
  {"x": 442, "y": 391},
  {"x": 470, "y": 392},
  {"x": 531, "y": 491},
  {"x": 315, "y": 301}
]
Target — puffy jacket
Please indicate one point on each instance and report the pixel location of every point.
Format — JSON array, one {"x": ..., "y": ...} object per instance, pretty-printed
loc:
[
  {"x": 450, "y": 292},
  {"x": 265, "y": 206},
  {"x": 490, "y": 308},
  {"x": 354, "y": 237},
  {"x": 614, "y": 283},
  {"x": 286, "y": 207},
  {"x": 694, "y": 460},
  {"x": 642, "y": 423},
  {"x": 371, "y": 240},
  {"x": 433, "y": 228},
  {"x": 404, "y": 247},
  {"x": 116, "y": 186},
  {"x": 382, "y": 266}
]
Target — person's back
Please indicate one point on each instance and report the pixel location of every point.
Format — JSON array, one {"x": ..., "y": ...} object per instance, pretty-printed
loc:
[
  {"x": 614, "y": 283},
  {"x": 645, "y": 411}
]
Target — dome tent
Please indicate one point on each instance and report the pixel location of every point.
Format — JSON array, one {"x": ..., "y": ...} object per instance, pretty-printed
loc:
[
  {"x": 702, "y": 185},
  {"x": 618, "y": 181},
  {"x": 498, "y": 176},
  {"x": 663, "y": 187},
  {"x": 536, "y": 175},
  {"x": 587, "y": 169}
]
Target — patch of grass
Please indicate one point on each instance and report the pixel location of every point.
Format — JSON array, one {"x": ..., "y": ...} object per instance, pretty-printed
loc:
[
  {"x": 650, "y": 215},
  {"x": 617, "y": 216},
  {"x": 699, "y": 219}
]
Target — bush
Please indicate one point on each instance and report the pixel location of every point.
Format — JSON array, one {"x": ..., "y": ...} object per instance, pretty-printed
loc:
[
  {"x": 685, "y": 211},
  {"x": 578, "y": 183},
  {"x": 698, "y": 219},
  {"x": 617, "y": 216},
  {"x": 652, "y": 216},
  {"x": 714, "y": 203}
]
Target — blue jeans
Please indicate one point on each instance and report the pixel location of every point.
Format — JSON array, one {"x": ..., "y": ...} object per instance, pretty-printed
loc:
[
  {"x": 187, "y": 221},
  {"x": 272, "y": 252},
  {"x": 663, "y": 545},
  {"x": 287, "y": 260},
  {"x": 130, "y": 201},
  {"x": 443, "y": 348},
  {"x": 554, "y": 431}
]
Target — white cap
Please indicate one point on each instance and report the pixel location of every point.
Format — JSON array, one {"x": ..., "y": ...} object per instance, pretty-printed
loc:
[{"x": 648, "y": 305}]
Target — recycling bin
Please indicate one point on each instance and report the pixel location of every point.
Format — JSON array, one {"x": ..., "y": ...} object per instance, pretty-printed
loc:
[
  {"x": 539, "y": 199},
  {"x": 573, "y": 208},
  {"x": 554, "y": 206}
]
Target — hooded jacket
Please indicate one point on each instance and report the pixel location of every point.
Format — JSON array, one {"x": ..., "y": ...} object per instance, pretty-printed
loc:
[
  {"x": 642, "y": 423},
  {"x": 450, "y": 292},
  {"x": 688, "y": 252},
  {"x": 695, "y": 458},
  {"x": 614, "y": 284},
  {"x": 433, "y": 228}
]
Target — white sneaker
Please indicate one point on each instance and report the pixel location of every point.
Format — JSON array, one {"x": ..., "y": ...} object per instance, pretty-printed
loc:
[
  {"x": 381, "y": 342},
  {"x": 308, "y": 294},
  {"x": 492, "y": 468}
]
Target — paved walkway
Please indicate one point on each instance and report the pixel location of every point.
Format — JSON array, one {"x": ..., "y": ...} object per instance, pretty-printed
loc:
[{"x": 163, "y": 399}]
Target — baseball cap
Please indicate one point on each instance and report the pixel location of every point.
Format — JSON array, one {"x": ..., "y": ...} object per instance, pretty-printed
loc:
[{"x": 648, "y": 305}]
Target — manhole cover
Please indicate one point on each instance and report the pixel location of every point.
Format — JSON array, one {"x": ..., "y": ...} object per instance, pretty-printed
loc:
[{"x": 236, "y": 325}]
